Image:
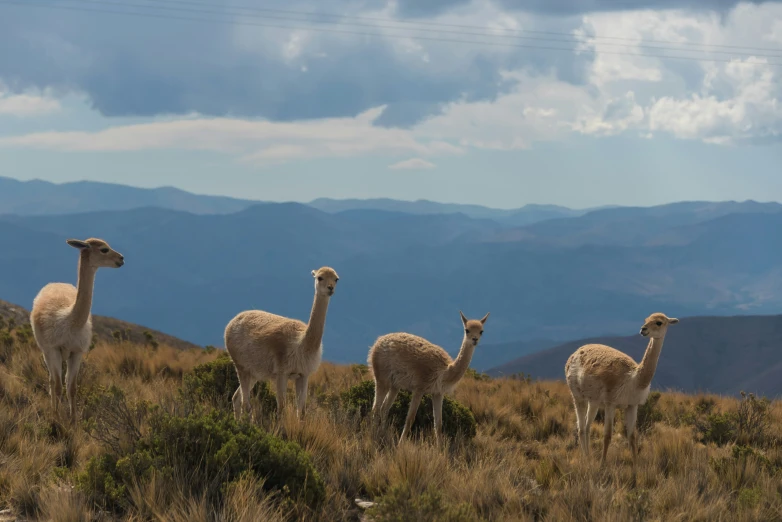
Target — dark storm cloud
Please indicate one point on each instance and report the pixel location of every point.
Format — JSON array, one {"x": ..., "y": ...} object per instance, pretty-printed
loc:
[{"x": 145, "y": 66}]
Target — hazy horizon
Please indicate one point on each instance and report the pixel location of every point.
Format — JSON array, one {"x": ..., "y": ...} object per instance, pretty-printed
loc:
[{"x": 343, "y": 198}]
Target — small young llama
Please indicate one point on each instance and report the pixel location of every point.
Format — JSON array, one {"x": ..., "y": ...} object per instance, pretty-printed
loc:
[
  {"x": 267, "y": 346},
  {"x": 599, "y": 375},
  {"x": 402, "y": 361},
  {"x": 61, "y": 320}
]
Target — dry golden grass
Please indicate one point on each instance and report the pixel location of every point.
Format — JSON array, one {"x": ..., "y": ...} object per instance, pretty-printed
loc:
[{"x": 522, "y": 465}]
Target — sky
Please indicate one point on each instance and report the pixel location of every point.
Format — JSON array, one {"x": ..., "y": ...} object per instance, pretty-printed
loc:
[{"x": 494, "y": 102}]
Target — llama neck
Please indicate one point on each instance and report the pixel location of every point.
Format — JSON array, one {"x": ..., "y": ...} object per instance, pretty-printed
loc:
[
  {"x": 457, "y": 368},
  {"x": 648, "y": 365},
  {"x": 313, "y": 335},
  {"x": 81, "y": 308}
]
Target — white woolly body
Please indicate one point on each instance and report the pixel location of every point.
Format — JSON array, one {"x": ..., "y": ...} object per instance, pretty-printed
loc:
[
  {"x": 403, "y": 361},
  {"x": 602, "y": 376},
  {"x": 409, "y": 362},
  {"x": 264, "y": 357},
  {"x": 590, "y": 388},
  {"x": 51, "y": 323}
]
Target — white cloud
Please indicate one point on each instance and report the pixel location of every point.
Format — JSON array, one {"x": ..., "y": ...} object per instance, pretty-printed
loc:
[
  {"x": 26, "y": 104},
  {"x": 752, "y": 111},
  {"x": 715, "y": 102},
  {"x": 252, "y": 141},
  {"x": 412, "y": 164}
]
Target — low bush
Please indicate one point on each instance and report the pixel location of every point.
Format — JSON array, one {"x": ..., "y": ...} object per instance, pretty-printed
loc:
[
  {"x": 201, "y": 452},
  {"x": 216, "y": 382},
  {"x": 458, "y": 420},
  {"x": 648, "y": 413},
  {"x": 752, "y": 420},
  {"x": 717, "y": 428}
]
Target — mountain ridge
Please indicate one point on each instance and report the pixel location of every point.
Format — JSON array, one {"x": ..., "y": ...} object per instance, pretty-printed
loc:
[
  {"x": 188, "y": 274},
  {"x": 701, "y": 354}
]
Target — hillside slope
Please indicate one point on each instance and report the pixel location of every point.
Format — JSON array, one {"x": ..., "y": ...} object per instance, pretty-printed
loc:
[
  {"x": 103, "y": 328},
  {"x": 157, "y": 435},
  {"x": 722, "y": 355}
]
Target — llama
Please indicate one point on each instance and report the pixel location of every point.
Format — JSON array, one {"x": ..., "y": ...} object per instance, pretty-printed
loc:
[
  {"x": 61, "y": 319},
  {"x": 599, "y": 375},
  {"x": 405, "y": 361},
  {"x": 266, "y": 346}
]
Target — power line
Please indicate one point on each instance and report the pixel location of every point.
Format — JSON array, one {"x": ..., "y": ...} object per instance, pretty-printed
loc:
[
  {"x": 197, "y": 10},
  {"x": 461, "y": 26},
  {"x": 370, "y": 34}
]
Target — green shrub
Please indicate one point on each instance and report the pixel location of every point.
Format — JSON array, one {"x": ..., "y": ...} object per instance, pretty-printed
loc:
[
  {"x": 202, "y": 453},
  {"x": 748, "y": 498},
  {"x": 400, "y": 504},
  {"x": 476, "y": 375},
  {"x": 111, "y": 420},
  {"x": 719, "y": 428},
  {"x": 648, "y": 414},
  {"x": 457, "y": 418},
  {"x": 215, "y": 383},
  {"x": 101, "y": 483},
  {"x": 747, "y": 426},
  {"x": 359, "y": 369},
  {"x": 212, "y": 446},
  {"x": 752, "y": 419},
  {"x": 705, "y": 405},
  {"x": 743, "y": 453},
  {"x": 150, "y": 340}
]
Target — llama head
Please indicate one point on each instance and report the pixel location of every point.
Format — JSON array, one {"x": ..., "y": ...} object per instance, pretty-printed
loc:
[
  {"x": 473, "y": 328},
  {"x": 97, "y": 253},
  {"x": 656, "y": 325},
  {"x": 325, "y": 280}
]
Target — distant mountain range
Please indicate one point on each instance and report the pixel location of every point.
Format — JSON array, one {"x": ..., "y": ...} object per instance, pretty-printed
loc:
[
  {"x": 591, "y": 273},
  {"x": 36, "y": 198},
  {"x": 509, "y": 217},
  {"x": 701, "y": 354}
]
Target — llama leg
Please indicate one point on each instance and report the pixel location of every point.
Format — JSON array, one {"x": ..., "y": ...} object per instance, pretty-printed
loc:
[
  {"x": 388, "y": 402},
  {"x": 591, "y": 413},
  {"x": 380, "y": 394},
  {"x": 581, "y": 413},
  {"x": 282, "y": 389},
  {"x": 241, "y": 397},
  {"x": 301, "y": 395},
  {"x": 236, "y": 400},
  {"x": 607, "y": 430},
  {"x": 74, "y": 362},
  {"x": 437, "y": 409},
  {"x": 414, "y": 402},
  {"x": 631, "y": 415},
  {"x": 53, "y": 359}
]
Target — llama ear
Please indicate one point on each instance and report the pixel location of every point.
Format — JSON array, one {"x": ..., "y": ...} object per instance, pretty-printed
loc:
[
  {"x": 464, "y": 319},
  {"x": 483, "y": 321},
  {"x": 673, "y": 320},
  {"x": 76, "y": 243},
  {"x": 313, "y": 273}
]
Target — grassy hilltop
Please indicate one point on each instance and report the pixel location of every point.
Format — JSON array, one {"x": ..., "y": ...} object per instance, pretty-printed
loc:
[{"x": 157, "y": 441}]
